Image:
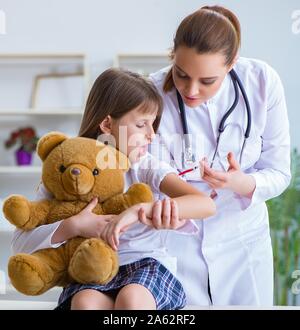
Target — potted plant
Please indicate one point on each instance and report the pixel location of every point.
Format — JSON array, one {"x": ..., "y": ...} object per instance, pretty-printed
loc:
[
  {"x": 27, "y": 139},
  {"x": 284, "y": 213}
]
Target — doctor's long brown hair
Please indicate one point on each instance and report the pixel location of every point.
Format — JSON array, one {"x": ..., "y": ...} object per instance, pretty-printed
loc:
[
  {"x": 116, "y": 92},
  {"x": 211, "y": 29}
]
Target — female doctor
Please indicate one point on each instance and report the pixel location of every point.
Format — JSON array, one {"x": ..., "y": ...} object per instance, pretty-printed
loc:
[{"x": 244, "y": 155}]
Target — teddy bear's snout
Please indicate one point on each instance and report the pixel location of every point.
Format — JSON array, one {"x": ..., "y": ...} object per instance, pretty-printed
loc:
[{"x": 78, "y": 179}]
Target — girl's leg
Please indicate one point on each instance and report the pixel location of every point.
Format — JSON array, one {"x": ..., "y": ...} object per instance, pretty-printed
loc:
[
  {"x": 91, "y": 299},
  {"x": 135, "y": 296}
]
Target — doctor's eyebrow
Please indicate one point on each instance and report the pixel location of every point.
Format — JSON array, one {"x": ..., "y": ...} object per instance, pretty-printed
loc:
[{"x": 204, "y": 78}]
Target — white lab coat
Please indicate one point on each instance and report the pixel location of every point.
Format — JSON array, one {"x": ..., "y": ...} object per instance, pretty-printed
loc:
[{"x": 233, "y": 248}]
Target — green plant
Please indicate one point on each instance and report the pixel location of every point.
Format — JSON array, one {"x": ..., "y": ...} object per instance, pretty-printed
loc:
[
  {"x": 26, "y": 137},
  {"x": 284, "y": 214}
]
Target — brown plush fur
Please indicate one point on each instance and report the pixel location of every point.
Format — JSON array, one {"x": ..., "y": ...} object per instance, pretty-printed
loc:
[{"x": 68, "y": 173}]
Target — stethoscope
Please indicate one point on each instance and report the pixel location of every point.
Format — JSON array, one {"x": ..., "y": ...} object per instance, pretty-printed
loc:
[{"x": 188, "y": 157}]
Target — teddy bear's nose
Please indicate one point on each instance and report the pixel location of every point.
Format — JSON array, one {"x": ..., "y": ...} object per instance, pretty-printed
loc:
[{"x": 75, "y": 171}]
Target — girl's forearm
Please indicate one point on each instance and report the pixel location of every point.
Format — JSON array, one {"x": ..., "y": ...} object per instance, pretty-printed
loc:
[
  {"x": 65, "y": 231},
  {"x": 195, "y": 206}
]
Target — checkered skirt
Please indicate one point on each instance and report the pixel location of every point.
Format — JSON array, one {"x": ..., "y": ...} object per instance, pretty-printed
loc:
[{"x": 165, "y": 288}]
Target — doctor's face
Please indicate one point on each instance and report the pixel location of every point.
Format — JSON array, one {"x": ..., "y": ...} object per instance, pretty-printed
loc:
[{"x": 198, "y": 77}]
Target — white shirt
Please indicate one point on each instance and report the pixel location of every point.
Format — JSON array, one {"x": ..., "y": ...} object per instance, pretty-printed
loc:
[
  {"x": 227, "y": 241},
  {"x": 138, "y": 242}
]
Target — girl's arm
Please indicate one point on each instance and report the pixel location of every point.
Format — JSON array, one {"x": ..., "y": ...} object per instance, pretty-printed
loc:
[
  {"x": 191, "y": 204},
  {"x": 35, "y": 239},
  {"x": 38, "y": 238},
  {"x": 85, "y": 224}
]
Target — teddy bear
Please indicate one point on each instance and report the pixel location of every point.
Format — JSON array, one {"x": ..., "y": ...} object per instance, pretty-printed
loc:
[{"x": 74, "y": 171}]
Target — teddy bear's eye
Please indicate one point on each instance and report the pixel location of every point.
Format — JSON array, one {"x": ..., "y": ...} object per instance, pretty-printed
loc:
[
  {"x": 62, "y": 169},
  {"x": 96, "y": 171}
]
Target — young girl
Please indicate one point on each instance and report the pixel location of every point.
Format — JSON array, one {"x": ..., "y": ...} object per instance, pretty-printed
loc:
[{"x": 125, "y": 108}]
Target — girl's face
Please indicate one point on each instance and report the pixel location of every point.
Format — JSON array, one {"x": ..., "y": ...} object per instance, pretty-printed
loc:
[
  {"x": 134, "y": 132},
  {"x": 198, "y": 77}
]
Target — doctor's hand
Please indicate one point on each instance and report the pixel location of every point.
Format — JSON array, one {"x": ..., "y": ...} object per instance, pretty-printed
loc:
[
  {"x": 164, "y": 215},
  {"x": 234, "y": 179}
]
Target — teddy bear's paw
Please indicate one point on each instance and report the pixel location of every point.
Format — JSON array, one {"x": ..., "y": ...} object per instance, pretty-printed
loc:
[
  {"x": 139, "y": 193},
  {"x": 29, "y": 275},
  {"x": 93, "y": 262},
  {"x": 16, "y": 210}
]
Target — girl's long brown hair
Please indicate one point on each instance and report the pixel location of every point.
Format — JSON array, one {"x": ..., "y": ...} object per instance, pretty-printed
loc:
[
  {"x": 211, "y": 29},
  {"x": 115, "y": 93}
]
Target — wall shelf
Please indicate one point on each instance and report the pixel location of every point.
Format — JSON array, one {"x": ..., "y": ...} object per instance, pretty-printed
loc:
[
  {"x": 43, "y": 112},
  {"x": 41, "y": 58},
  {"x": 20, "y": 169},
  {"x": 142, "y": 63}
]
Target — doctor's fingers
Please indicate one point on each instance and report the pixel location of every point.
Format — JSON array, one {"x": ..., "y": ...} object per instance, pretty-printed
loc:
[
  {"x": 166, "y": 213},
  {"x": 175, "y": 222},
  {"x": 233, "y": 163},
  {"x": 209, "y": 172},
  {"x": 214, "y": 183},
  {"x": 156, "y": 214}
]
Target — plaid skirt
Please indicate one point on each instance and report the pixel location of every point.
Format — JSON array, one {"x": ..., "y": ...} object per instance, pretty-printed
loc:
[{"x": 163, "y": 285}]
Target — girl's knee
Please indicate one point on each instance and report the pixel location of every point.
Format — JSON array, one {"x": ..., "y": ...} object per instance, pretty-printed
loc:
[
  {"x": 91, "y": 299},
  {"x": 135, "y": 296}
]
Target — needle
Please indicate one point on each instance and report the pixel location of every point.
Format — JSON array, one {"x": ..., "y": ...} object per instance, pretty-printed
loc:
[{"x": 188, "y": 171}]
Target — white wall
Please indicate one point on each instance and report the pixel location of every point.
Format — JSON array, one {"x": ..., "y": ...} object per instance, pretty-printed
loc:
[{"x": 103, "y": 28}]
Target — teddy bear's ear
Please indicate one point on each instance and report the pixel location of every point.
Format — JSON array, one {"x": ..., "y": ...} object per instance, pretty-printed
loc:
[{"x": 48, "y": 142}]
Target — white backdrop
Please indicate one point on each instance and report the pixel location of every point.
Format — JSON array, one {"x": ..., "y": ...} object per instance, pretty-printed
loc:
[{"x": 104, "y": 28}]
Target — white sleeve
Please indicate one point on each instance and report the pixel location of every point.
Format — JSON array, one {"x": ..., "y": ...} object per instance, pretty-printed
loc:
[
  {"x": 38, "y": 238},
  {"x": 42, "y": 193},
  {"x": 152, "y": 171},
  {"x": 272, "y": 173},
  {"x": 33, "y": 240}
]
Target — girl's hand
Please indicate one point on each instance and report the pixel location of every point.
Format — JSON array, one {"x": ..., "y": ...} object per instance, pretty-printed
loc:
[
  {"x": 88, "y": 224},
  {"x": 117, "y": 225},
  {"x": 165, "y": 215},
  {"x": 234, "y": 179}
]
